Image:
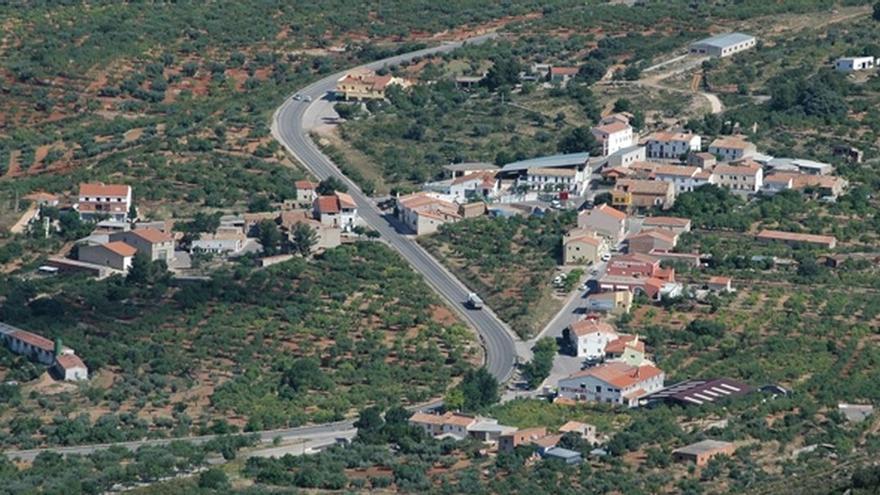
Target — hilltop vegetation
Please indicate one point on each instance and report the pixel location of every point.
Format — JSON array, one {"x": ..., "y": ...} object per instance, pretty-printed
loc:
[{"x": 252, "y": 350}]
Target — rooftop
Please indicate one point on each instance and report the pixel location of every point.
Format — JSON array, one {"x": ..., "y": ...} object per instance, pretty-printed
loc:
[
  {"x": 302, "y": 185},
  {"x": 667, "y": 221},
  {"x": 612, "y": 127},
  {"x": 152, "y": 235},
  {"x": 553, "y": 161},
  {"x": 585, "y": 327},
  {"x": 327, "y": 204},
  {"x": 665, "y": 235},
  {"x": 610, "y": 211},
  {"x": 725, "y": 40},
  {"x": 33, "y": 339},
  {"x": 671, "y": 136},
  {"x": 734, "y": 142},
  {"x": 470, "y": 166},
  {"x": 619, "y": 374},
  {"x": 68, "y": 361},
  {"x": 701, "y": 391},
  {"x": 120, "y": 248},
  {"x": 703, "y": 447},
  {"x": 101, "y": 189},
  {"x": 779, "y": 235},
  {"x": 640, "y": 186}
]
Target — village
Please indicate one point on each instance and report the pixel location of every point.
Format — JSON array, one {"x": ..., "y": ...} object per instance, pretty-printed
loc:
[{"x": 627, "y": 266}]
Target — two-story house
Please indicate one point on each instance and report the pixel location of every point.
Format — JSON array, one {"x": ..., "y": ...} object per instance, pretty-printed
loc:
[
  {"x": 671, "y": 145},
  {"x": 98, "y": 200},
  {"x": 612, "y": 383}
]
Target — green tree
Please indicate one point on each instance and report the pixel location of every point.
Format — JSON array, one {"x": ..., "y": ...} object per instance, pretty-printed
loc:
[
  {"x": 578, "y": 140},
  {"x": 303, "y": 239},
  {"x": 479, "y": 389},
  {"x": 876, "y": 14},
  {"x": 270, "y": 236},
  {"x": 204, "y": 222},
  {"x": 330, "y": 185},
  {"x": 538, "y": 369},
  {"x": 503, "y": 73},
  {"x": 214, "y": 479}
]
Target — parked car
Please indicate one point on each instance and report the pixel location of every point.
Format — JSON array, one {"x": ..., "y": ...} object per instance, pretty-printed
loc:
[{"x": 606, "y": 256}]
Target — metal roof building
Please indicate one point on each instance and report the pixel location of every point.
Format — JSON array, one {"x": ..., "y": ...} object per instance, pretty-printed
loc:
[
  {"x": 723, "y": 45},
  {"x": 571, "y": 160},
  {"x": 698, "y": 392}
]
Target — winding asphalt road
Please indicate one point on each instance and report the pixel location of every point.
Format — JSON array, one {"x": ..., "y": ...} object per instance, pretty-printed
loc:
[{"x": 291, "y": 126}]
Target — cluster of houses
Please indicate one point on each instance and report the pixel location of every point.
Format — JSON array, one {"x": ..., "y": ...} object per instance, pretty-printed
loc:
[
  {"x": 118, "y": 237},
  {"x": 504, "y": 438},
  {"x": 62, "y": 361}
]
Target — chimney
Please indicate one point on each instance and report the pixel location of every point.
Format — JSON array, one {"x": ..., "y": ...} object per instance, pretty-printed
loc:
[{"x": 57, "y": 347}]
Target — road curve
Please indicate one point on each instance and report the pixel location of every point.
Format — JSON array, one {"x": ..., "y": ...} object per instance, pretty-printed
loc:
[
  {"x": 290, "y": 129},
  {"x": 287, "y": 127}
]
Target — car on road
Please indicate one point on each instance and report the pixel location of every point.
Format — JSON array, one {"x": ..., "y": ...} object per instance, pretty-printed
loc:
[
  {"x": 308, "y": 98},
  {"x": 606, "y": 257},
  {"x": 297, "y": 97},
  {"x": 474, "y": 301}
]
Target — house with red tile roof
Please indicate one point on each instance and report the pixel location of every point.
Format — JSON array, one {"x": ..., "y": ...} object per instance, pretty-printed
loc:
[
  {"x": 672, "y": 145},
  {"x": 589, "y": 337},
  {"x": 613, "y": 383},
  {"x": 796, "y": 239},
  {"x": 337, "y": 210},
  {"x": 562, "y": 74},
  {"x": 675, "y": 224},
  {"x": 650, "y": 240},
  {"x": 582, "y": 246},
  {"x": 115, "y": 254},
  {"x": 38, "y": 348},
  {"x": 97, "y": 200},
  {"x": 720, "y": 284},
  {"x": 606, "y": 221},
  {"x": 365, "y": 84},
  {"x": 424, "y": 213},
  {"x": 732, "y": 148},
  {"x": 613, "y": 136},
  {"x": 153, "y": 243},
  {"x": 306, "y": 192}
]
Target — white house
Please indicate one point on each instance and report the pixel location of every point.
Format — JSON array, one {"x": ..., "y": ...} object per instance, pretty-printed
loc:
[
  {"x": 554, "y": 179},
  {"x": 732, "y": 148},
  {"x": 743, "y": 177},
  {"x": 424, "y": 213},
  {"x": 723, "y": 45},
  {"x": 853, "y": 64},
  {"x": 98, "y": 199},
  {"x": 464, "y": 188},
  {"x": 683, "y": 177},
  {"x": 625, "y": 157},
  {"x": 672, "y": 145},
  {"x": 337, "y": 210},
  {"x": 117, "y": 254},
  {"x": 71, "y": 368},
  {"x": 589, "y": 337},
  {"x": 219, "y": 242},
  {"x": 613, "y": 383},
  {"x": 614, "y": 136}
]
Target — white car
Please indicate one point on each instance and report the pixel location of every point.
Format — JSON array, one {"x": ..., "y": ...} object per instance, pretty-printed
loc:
[
  {"x": 308, "y": 98},
  {"x": 297, "y": 97},
  {"x": 606, "y": 257}
]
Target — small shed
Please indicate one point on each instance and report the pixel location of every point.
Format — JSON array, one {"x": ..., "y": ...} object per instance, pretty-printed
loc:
[{"x": 702, "y": 452}]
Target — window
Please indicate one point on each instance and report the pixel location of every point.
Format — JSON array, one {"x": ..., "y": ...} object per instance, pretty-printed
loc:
[{"x": 598, "y": 389}]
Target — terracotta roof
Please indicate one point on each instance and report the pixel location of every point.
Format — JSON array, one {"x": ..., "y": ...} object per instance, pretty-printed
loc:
[
  {"x": 745, "y": 168},
  {"x": 420, "y": 417},
  {"x": 611, "y": 211},
  {"x": 632, "y": 258},
  {"x": 793, "y": 236},
  {"x": 422, "y": 200},
  {"x": 456, "y": 419},
  {"x": 34, "y": 340},
  {"x": 638, "y": 186},
  {"x": 345, "y": 200},
  {"x": 547, "y": 441},
  {"x": 327, "y": 204},
  {"x": 573, "y": 426},
  {"x": 564, "y": 71},
  {"x": 585, "y": 327},
  {"x": 120, "y": 248},
  {"x": 152, "y": 235},
  {"x": 612, "y": 127},
  {"x": 665, "y": 235},
  {"x": 101, "y": 189},
  {"x": 671, "y": 136},
  {"x": 733, "y": 142},
  {"x": 719, "y": 280},
  {"x": 619, "y": 374},
  {"x": 670, "y": 221},
  {"x": 68, "y": 361},
  {"x": 586, "y": 238},
  {"x": 677, "y": 170},
  {"x": 483, "y": 177},
  {"x": 305, "y": 185},
  {"x": 622, "y": 342}
]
